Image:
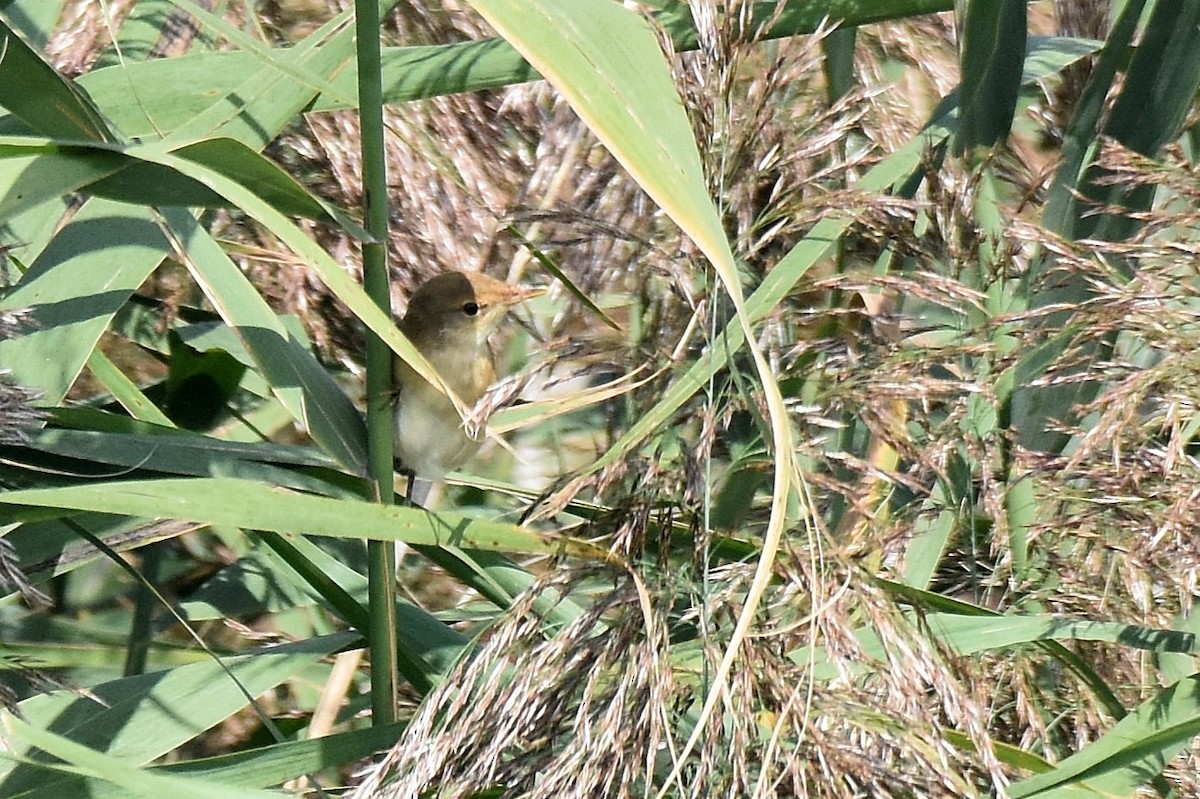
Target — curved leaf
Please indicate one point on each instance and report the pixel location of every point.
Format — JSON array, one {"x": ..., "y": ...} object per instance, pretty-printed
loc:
[
  {"x": 73, "y": 289},
  {"x": 44, "y": 100},
  {"x": 137, "y": 719},
  {"x": 1129, "y": 755}
]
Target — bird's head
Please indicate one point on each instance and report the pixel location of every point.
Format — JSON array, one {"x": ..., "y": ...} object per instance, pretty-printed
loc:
[{"x": 460, "y": 309}]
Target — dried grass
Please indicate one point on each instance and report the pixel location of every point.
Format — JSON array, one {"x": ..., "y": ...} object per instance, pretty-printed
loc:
[
  {"x": 589, "y": 710},
  {"x": 595, "y": 708}
]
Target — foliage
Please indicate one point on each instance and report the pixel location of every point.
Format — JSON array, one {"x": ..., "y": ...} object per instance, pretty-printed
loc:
[{"x": 863, "y": 413}]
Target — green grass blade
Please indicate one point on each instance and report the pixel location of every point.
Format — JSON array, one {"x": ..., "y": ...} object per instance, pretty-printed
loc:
[
  {"x": 992, "y": 59},
  {"x": 932, "y": 534},
  {"x": 1075, "y": 663},
  {"x": 1129, "y": 755},
  {"x": 261, "y": 582},
  {"x": 1061, "y": 210},
  {"x": 34, "y": 19},
  {"x": 28, "y": 233},
  {"x": 271, "y": 89},
  {"x": 84, "y": 275},
  {"x": 36, "y": 171},
  {"x": 968, "y": 635},
  {"x": 500, "y": 580},
  {"x": 124, "y": 390},
  {"x": 424, "y": 637},
  {"x": 302, "y": 79},
  {"x": 44, "y": 100},
  {"x": 272, "y": 765},
  {"x": 306, "y": 560},
  {"x": 191, "y": 455},
  {"x": 66, "y": 653},
  {"x": 148, "y": 183},
  {"x": 965, "y": 631},
  {"x": 298, "y": 380},
  {"x": 1047, "y": 56},
  {"x": 1160, "y": 84},
  {"x": 133, "y": 781},
  {"x": 145, "y": 716},
  {"x": 231, "y": 502},
  {"x": 53, "y": 547},
  {"x": 235, "y": 160}
]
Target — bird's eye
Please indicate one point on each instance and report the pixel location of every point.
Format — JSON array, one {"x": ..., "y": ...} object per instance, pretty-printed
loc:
[{"x": 470, "y": 308}]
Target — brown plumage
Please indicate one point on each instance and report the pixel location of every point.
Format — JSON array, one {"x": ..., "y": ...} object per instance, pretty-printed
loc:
[{"x": 450, "y": 319}]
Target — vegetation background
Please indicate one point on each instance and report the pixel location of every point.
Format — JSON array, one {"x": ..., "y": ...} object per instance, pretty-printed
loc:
[{"x": 860, "y": 456}]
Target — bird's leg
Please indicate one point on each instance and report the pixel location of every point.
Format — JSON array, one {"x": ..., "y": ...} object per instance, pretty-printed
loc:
[
  {"x": 408, "y": 476},
  {"x": 418, "y": 491},
  {"x": 415, "y": 493}
]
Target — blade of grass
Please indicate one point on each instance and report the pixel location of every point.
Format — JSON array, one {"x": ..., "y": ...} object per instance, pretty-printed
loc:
[
  {"x": 251, "y": 505},
  {"x": 137, "y": 782},
  {"x": 1130, "y": 755},
  {"x": 607, "y": 63},
  {"x": 298, "y": 555},
  {"x": 271, "y": 765},
  {"x": 551, "y": 267},
  {"x": 297, "y": 379},
  {"x": 137, "y": 719},
  {"x": 34, "y": 171},
  {"x": 991, "y": 60},
  {"x": 44, "y": 100},
  {"x": 1061, "y": 210},
  {"x": 1073, "y": 662},
  {"x": 270, "y": 59},
  {"x": 104, "y": 253},
  {"x": 191, "y": 454},
  {"x": 257, "y": 103},
  {"x": 124, "y": 390}
]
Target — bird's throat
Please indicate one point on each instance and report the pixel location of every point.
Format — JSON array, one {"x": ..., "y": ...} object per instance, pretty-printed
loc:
[{"x": 430, "y": 436}]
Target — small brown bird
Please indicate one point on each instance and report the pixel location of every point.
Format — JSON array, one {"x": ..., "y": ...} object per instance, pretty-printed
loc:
[{"x": 450, "y": 319}]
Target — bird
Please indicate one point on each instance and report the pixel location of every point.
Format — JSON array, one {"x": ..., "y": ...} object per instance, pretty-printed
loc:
[{"x": 450, "y": 319}]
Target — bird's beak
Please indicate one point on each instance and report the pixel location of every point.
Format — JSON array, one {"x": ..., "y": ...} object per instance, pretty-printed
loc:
[
  {"x": 501, "y": 302},
  {"x": 522, "y": 293}
]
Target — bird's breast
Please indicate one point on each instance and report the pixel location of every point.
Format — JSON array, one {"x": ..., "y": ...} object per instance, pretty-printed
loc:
[{"x": 430, "y": 438}]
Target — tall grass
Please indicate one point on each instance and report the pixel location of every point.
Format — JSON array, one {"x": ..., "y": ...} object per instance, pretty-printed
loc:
[{"x": 858, "y": 456}]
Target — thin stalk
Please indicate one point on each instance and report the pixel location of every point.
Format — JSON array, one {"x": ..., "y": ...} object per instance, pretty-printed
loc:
[
  {"x": 381, "y": 555},
  {"x": 142, "y": 628}
]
